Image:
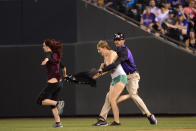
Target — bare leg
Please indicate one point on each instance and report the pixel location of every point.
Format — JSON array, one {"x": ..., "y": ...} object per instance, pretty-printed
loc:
[
  {"x": 123, "y": 98},
  {"x": 106, "y": 107},
  {"x": 114, "y": 93},
  {"x": 48, "y": 102},
  {"x": 56, "y": 114}
]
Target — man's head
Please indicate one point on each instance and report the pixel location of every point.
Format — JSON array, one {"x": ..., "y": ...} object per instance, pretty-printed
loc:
[
  {"x": 119, "y": 39},
  {"x": 152, "y": 3},
  {"x": 167, "y": 5},
  {"x": 171, "y": 13}
]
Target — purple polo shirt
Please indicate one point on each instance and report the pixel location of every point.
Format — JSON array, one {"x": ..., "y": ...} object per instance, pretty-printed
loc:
[{"x": 129, "y": 64}]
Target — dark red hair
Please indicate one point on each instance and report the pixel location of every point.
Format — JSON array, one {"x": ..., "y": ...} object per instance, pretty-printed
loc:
[{"x": 55, "y": 46}]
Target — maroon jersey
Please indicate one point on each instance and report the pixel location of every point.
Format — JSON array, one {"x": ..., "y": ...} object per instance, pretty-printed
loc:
[{"x": 52, "y": 67}]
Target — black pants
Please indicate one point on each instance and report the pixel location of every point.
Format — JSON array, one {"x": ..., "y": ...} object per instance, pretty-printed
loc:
[{"x": 50, "y": 92}]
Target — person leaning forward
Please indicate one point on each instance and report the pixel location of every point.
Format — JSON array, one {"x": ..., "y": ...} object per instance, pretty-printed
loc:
[{"x": 125, "y": 58}]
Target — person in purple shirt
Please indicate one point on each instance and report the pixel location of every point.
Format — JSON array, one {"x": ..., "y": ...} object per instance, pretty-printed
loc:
[
  {"x": 125, "y": 58},
  {"x": 50, "y": 95},
  {"x": 147, "y": 20}
]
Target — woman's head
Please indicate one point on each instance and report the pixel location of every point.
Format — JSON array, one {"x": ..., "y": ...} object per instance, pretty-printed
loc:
[
  {"x": 53, "y": 46},
  {"x": 102, "y": 47}
]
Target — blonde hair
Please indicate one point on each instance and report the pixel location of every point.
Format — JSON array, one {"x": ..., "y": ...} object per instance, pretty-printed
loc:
[{"x": 103, "y": 44}]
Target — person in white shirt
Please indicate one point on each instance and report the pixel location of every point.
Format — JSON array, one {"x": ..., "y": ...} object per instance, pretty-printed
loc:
[
  {"x": 160, "y": 18},
  {"x": 153, "y": 8}
]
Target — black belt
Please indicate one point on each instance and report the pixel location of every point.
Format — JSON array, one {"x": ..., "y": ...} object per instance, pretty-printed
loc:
[{"x": 132, "y": 72}]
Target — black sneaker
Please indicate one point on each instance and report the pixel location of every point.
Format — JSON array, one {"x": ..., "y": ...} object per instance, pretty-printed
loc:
[
  {"x": 101, "y": 123},
  {"x": 56, "y": 125},
  {"x": 114, "y": 124},
  {"x": 152, "y": 119},
  {"x": 60, "y": 107}
]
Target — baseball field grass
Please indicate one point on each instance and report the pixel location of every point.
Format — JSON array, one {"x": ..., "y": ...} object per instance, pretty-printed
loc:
[{"x": 85, "y": 124}]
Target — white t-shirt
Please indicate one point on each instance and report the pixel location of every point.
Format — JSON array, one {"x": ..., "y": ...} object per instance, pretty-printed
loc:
[
  {"x": 159, "y": 11},
  {"x": 154, "y": 10},
  {"x": 161, "y": 17},
  {"x": 117, "y": 71}
]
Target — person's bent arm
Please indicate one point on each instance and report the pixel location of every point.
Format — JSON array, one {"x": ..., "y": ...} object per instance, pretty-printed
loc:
[
  {"x": 141, "y": 21},
  {"x": 182, "y": 27},
  {"x": 122, "y": 56},
  {"x": 44, "y": 61},
  {"x": 170, "y": 25},
  {"x": 109, "y": 4},
  {"x": 47, "y": 58},
  {"x": 63, "y": 68}
]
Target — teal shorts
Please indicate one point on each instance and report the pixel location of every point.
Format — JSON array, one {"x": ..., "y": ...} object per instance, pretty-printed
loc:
[{"x": 121, "y": 78}]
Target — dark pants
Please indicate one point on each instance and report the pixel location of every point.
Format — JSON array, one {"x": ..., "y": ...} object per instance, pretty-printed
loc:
[{"x": 50, "y": 92}]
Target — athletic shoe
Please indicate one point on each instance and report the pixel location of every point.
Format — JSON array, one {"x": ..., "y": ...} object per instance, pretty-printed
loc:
[
  {"x": 152, "y": 119},
  {"x": 56, "y": 125},
  {"x": 114, "y": 124},
  {"x": 101, "y": 123},
  {"x": 60, "y": 107}
]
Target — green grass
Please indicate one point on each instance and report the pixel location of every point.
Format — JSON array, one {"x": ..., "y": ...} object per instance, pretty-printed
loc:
[{"x": 84, "y": 124}]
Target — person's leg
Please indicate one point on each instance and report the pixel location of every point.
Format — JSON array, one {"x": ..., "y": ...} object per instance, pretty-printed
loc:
[
  {"x": 49, "y": 97},
  {"x": 58, "y": 108},
  {"x": 53, "y": 103},
  {"x": 104, "y": 112},
  {"x": 49, "y": 102},
  {"x": 123, "y": 98},
  {"x": 55, "y": 97},
  {"x": 132, "y": 87},
  {"x": 114, "y": 93},
  {"x": 56, "y": 114},
  {"x": 106, "y": 108}
]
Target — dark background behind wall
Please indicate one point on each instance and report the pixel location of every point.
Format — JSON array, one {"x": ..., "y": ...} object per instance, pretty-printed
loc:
[
  {"x": 167, "y": 74},
  {"x": 28, "y": 21}
]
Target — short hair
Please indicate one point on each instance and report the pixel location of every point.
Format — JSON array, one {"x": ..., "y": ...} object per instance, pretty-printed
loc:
[{"x": 103, "y": 44}]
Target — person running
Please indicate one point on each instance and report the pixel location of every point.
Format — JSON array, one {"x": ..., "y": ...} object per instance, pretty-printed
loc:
[
  {"x": 119, "y": 78},
  {"x": 50, "y": 95},
  {"x": 125, "y": 58}
]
